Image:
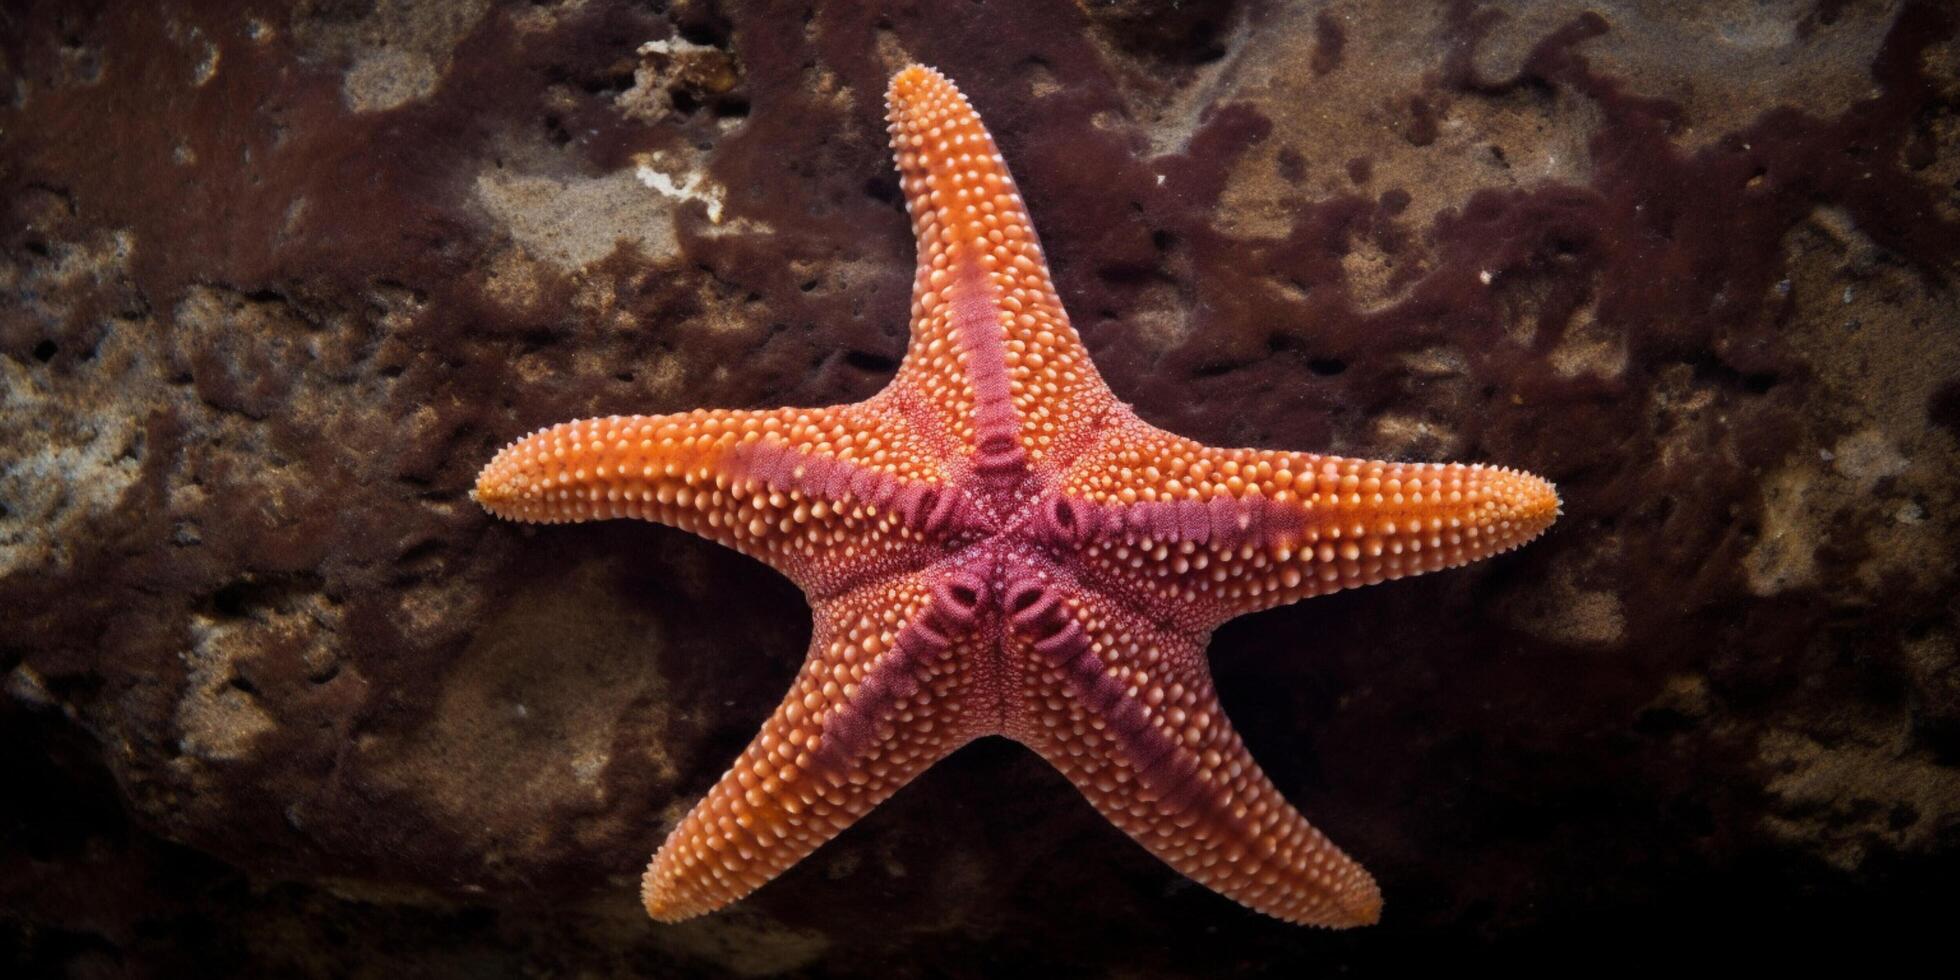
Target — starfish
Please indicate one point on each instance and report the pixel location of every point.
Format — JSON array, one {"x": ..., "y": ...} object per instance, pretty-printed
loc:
[{"x": 995, "y": 545}]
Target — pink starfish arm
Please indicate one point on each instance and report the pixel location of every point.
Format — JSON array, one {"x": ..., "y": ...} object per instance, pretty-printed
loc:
[
  {"x": 829, "y": 496},
  {"x": 883, "y": 694},
  {"x": 1123, "y": 706},
  {"x": 1211, "y": 534},
  {"x": 992, "y": 351}
]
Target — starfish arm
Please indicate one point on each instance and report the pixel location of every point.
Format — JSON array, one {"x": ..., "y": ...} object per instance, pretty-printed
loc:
[
  {"x": 1128, "y": 714},
  {"x": 992, "y": 349},
  {"x": 1215, "y": 533},
  {"x": 793, "y": 487},
  {"x": 882, "y": 695}
]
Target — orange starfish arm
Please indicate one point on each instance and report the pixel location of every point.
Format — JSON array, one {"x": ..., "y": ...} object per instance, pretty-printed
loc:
[
  {"x": 789, "y": 486},
  {"x": 1140, "y": 732},
  {"x": 882, "y": 695},
  {"x": 1215, "y": 533},
  {"x": 992, "y": 351}
]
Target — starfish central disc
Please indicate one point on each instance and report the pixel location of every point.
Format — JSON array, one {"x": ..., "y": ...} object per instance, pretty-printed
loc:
[{"x": 995, "y": 545}]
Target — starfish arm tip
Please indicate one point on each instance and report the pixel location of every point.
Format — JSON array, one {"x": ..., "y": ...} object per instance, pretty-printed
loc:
[
  {"x": 1358, "y": 906},
  {"x": 912, "y": 77},
  {"x": 660, "y": 904}
]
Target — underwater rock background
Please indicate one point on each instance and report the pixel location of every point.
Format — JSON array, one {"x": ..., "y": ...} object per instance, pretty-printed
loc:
[{"x": 280, "y": 699}]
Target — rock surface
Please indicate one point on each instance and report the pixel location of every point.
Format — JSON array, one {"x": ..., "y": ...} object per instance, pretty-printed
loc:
[{"x": 280, "y": 700}]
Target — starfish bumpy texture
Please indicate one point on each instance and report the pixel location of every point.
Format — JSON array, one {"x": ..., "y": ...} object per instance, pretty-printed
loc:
[{"x": 995, "y": 545}]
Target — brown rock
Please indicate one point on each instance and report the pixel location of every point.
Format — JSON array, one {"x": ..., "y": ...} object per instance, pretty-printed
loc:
[{"x": 281, "y": 700}]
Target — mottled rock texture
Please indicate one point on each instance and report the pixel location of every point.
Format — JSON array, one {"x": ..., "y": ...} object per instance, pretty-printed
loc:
[{"x": 278, "y": 278}]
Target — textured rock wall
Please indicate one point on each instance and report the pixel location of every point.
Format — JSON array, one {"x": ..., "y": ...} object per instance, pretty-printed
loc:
[{"x": 277, "y": 279}]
